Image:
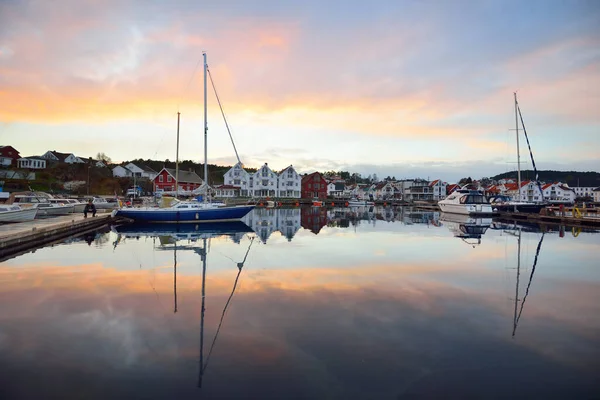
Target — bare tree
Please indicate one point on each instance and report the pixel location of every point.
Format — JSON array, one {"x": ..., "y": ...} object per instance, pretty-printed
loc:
[{"x": 103, "y": 157}]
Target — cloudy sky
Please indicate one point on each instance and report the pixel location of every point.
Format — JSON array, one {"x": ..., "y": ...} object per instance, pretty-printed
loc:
[{"x": 403, "y": 88}]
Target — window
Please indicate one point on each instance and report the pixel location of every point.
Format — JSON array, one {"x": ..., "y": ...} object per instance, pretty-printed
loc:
[
  {"x": 160, "y": 178},
  {"x": 265, "y": 173},
  {"x": 236, "y": 182},
  {"x": 169, "y": 178}
]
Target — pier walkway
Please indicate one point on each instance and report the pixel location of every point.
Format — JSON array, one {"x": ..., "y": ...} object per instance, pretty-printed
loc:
[{"x": 23, "y": 236}]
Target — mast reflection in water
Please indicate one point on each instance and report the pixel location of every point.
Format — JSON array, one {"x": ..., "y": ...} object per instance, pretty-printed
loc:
[{"x": 381, "y": 303}]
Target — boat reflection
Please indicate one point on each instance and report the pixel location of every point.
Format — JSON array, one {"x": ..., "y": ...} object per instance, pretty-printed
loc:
[
  {"x": 169, "y": 235},
  {"x": 468, "y": 229}
]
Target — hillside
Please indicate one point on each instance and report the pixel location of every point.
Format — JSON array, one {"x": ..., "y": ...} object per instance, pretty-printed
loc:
[{"x": 572, "y": 178}]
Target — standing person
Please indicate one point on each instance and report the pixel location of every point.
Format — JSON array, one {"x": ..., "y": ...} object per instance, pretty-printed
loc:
[{"x": 89, "y": 208}]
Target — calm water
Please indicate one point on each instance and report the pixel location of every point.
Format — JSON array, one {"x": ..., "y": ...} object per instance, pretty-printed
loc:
[{"x": 379, "y": 304}]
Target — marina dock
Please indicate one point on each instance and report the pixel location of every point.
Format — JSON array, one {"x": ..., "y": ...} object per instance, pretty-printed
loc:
[{"x": 18, "y": 238}]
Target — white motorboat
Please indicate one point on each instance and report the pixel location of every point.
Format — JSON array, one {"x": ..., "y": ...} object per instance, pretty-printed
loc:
[
  {"x": 76, "y": 206},
  {"x": 101, "y": 204},
  {"x": 48, "y": 209},
  {"x": 464, "y": 201},
  {"x": 355, "y": 202},
  {"x": 14, "y": 213}
]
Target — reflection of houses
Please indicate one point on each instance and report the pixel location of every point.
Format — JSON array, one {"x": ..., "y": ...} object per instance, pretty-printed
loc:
[
  {"x": 314, "y": 186},
  {"x": 165, "y": 180},
  {"x": 314, "y": 218},
  {"x": 265, "y": 221}
]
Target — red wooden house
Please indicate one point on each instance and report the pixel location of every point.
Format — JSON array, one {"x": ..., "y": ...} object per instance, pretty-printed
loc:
[
  {"x": 9, "y": 153},
  {"x": 165, "y": 180},
  {"x": 314, "y": 186}
]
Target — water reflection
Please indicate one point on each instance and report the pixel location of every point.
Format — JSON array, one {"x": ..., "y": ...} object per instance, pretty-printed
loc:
[{"x": 469, "y": 229}]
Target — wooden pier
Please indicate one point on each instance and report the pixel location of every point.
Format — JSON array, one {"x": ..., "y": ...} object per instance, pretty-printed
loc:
[{"x": 21, "y": 237}]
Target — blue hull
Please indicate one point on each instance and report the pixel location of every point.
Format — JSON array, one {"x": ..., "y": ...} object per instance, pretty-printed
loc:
[
  {"x": 190, "y": 215},
  {"x": 153, "y": 229}
]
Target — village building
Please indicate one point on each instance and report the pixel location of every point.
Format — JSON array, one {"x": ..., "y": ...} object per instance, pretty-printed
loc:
[
  {"x": 263, "y": 182},
  {"x": 165, "y": 180},
  {"x": 336, "y": 189},
  {"x": 54, "y": 156},
  {"x": 289, "y": 183},
  {"x": 237, "y": 176},
  {"x": 597, "y": 195},
  {"x": 558, "y": 192},
  {"x": 8, "y": 156},
  {"x": 438, "y": 189},
  {"x": 227, "y": 191},
  {"x": 32, "y": 162},
  {"x": 314, "y": 186}
]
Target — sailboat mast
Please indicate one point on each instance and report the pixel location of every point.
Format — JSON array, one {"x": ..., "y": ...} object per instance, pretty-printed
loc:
[
  {"x": 518, "y": 149},
  {"x": 177, "y": 160},
  {"x": 202, "y": 310},
  {"x": 205, "y": 132}
]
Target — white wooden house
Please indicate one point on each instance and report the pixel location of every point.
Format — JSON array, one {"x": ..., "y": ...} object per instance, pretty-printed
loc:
[
  {"x": 558, "y": 192},
  {"x": 597, "y": 195},
  {"x": 238, "y": 176},
  {"x": 263, "y": 182},
  {"x": 336, "y": 189},
  {"x": 438, "y": 188},
  {"x": 68, "y": 158},
  {"x": 141, "y": 171},
  {"x": 289, "y": 183},
  {"x": 32, "y": 162},
  {"x": 121, "y": 172}
]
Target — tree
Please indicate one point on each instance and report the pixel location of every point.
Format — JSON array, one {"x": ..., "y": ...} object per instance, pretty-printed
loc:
[
  {"x": 104, "y": 158},
  {"x": 375, "y": 180}
]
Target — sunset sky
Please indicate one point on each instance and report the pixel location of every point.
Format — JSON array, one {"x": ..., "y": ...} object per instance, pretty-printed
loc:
[{"x": 400, "y": 88}]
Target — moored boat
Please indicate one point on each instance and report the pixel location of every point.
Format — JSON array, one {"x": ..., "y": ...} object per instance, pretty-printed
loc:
[
  {"x": 465, "y": 201},
  {"x": 14, "y": 213}
]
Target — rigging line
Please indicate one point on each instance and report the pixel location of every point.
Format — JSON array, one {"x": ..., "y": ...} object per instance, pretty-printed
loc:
[
  {"x": 223, "y": 113},
  {"x": 537, "y": 179},
  {"x": 240, "y": 265},
  {"x": 537, "y": 253}
]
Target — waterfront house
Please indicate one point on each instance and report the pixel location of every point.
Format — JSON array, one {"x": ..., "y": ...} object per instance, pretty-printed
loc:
[
  {"x": 121, "y": 172},
  {"x": 165, "y": 180},
  {"x": 289, "y": 182},
  {"x": 239, "y": 177},
  {"x": 8, "y": 156},
  {"x": 418, "y": 189},
  {"x": 558, "y": 192},
  {"x": 451, "y": 188},
  {"x": 597, "y": 195},
  {"x": 142, "y": 171},
  {"x": 583, "y": 191},
  {"x": 384, "y": 191},
  {"x": 336, "y": 189},
  {"x": 228, "y": 191},
  {"x": 54, "y": 156},
  {"x": 438, "y": 189},
  {"x": 314, "y": 186},
  {"x": 263, "y": 182},
  {"x": 32, "y": 162}
]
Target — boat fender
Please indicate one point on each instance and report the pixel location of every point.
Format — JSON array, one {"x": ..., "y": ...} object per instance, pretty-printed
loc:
[
  {"x": 347, "y": 204},
  {"x": 297, "y": 204},
  {"x": 332, "y": 204}
]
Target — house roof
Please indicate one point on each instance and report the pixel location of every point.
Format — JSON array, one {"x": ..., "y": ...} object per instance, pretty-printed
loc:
[
  {"x": 451, "y": 187},
  {"x": 185, "y": 176},
  {"x": 339, "y": 185},
  {"x": 380, "y": 185},
  {"x": 309, "y": 176},
  {"x": 59, "y": 155},
  {"x": 434, "y": 182}
]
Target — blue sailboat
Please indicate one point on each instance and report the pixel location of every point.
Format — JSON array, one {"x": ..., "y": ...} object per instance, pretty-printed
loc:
[{"x": 190, "y": 212}]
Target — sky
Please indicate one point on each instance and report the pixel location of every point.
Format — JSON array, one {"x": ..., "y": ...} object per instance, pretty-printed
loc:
[{"x": 400, "y": 88}]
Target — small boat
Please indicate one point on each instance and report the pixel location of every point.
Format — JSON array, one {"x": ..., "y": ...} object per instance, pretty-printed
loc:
[
  {"x": 78, "y": 206},
  {"x": 14, "y": 213},
  {"x": 102, "y": 204},
  {"x": 355, "y": 202},
  {"x": 465, "y": 201},
  {"x": 50, "y": 209},
  {"x": 68, "y": 202},
  {"x": 502, "y": 203}
]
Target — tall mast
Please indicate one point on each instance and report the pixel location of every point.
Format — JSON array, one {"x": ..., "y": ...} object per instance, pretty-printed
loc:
[
  {"x": 177, "y": 160},
  {"x": 518, "y": 150},
  {"x": 205, "y": 132}
]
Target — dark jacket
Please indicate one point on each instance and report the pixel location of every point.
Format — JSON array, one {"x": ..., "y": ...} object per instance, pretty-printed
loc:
[{"x": 89, "y": 208}]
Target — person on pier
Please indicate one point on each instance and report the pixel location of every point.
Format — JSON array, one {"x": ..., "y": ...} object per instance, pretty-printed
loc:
[{"x": 89, "y": 208}]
